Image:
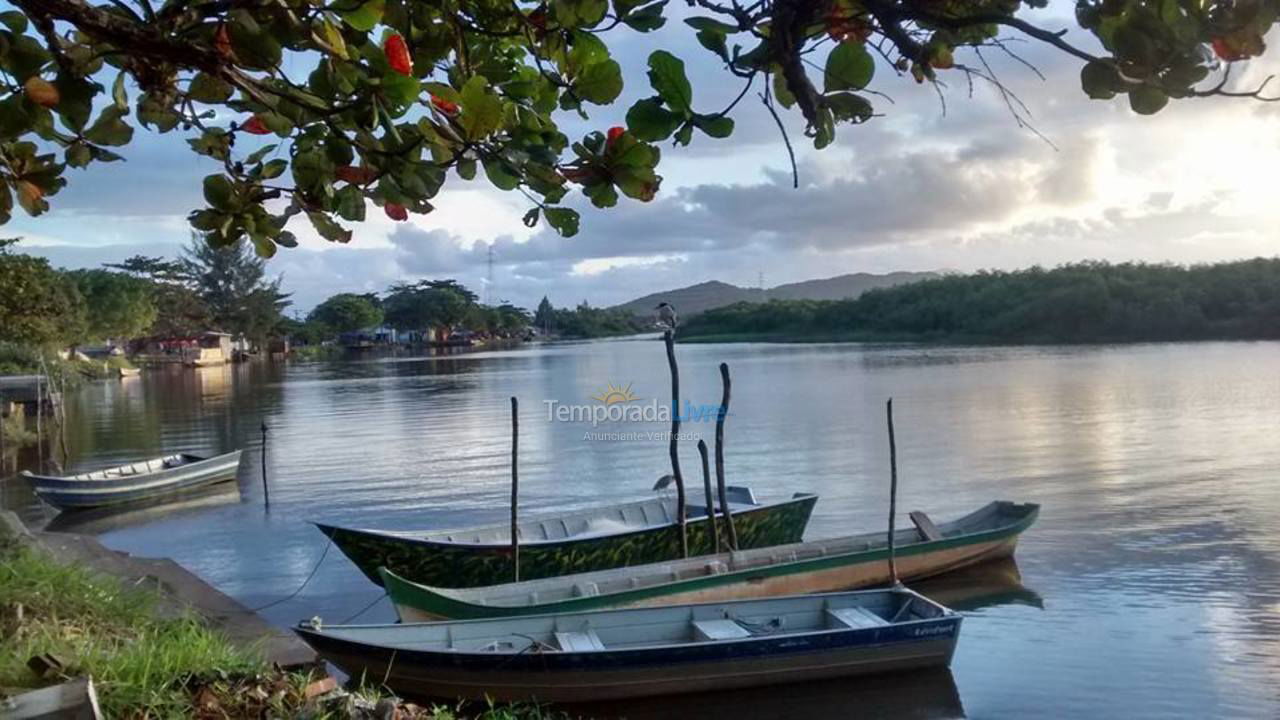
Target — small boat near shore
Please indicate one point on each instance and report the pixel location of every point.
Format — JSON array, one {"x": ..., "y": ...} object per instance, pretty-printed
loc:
[
  {"x": 597, "y": 538},
  {"x": 617, "y": 654},
  {"x": 134, "y": 482},
  {"x": 817, "y": 566}
]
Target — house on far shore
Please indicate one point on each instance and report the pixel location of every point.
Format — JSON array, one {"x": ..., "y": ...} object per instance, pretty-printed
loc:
[{"x": 199, "y": 350}]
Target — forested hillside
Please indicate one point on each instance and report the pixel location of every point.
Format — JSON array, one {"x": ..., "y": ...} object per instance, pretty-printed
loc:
[{"x": 1083, "y": 302}]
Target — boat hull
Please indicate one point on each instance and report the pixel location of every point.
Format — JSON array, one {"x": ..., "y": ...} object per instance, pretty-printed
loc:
[
  {"x": 846, "y": 571},
  {"x": 629, "y": 673},
  {"x": 71, "y": 494},
  {"x": 458, "y": 565}
]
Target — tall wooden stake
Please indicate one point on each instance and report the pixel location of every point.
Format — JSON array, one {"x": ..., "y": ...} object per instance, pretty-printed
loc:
[
  {"x": 706, "y": 488},
  {"x": 266, "y": 491},
  {"x": 893, "y": 490},
  {"x": 515, "y": 487},
  {"x": 39, "y": 425},
  {"x": 669, "y": 338},
  {"x": 732, "y": 539}
]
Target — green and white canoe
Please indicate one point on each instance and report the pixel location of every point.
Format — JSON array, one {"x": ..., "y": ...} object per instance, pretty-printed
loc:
[
  {"x": 597, "y": 538},
  {"x": 844, "y": 563}
]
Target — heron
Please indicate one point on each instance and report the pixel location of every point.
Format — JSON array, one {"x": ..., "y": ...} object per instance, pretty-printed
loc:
[
  {"x": 666, "y": 315},
  {"x": 664, "y": 482}
]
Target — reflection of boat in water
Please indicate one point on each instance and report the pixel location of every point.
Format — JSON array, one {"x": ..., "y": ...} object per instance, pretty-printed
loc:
[
  {"x": 920, "y": 695},
  {"x": 998, "y": 582},
  {"x": 100, "y": 520}
]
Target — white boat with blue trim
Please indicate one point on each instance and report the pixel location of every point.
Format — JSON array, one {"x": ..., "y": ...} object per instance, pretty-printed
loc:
[{"x": 134, "y": 482}]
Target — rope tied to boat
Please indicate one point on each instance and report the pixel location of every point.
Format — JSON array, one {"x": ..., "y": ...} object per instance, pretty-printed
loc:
[{"x": 310, "y": 576}]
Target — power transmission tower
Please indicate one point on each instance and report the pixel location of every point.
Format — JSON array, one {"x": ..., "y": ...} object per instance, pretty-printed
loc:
[{"x": 488, "y": 286}]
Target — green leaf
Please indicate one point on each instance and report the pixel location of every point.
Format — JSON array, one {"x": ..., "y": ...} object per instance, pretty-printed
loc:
[
  {"x": 254, "y": 47},
  {"x": 848, "y": 107},
  {"x": 717, "y": 126},
  {"x": 78, "y": 155},
  {"x": 500, "y": 175},
  {"x": 481, "y": 109},
  {"x": 365, "y": 17},
  {"x": 648, "y": 120},
  {"x": 715, "y": 42},
  {"x": 109, "y": 129},
  {"x": 15, "y": 21},
  {"x": 349, "y": 202},
  {"x": 152, "y": 111},
  {"x": 274, "y": 168},
  {"x": 600, "y": 83},
  {"x": 219, "y": 192},
  {"x": 333, "y": 35},
  {"x": 564, "y": 220},
  {"x": 849, "y": 67},
  {"x": 647, "y": 18},
  {"x": 401, "y": 90},
  {"x": 263, "y": 246},
  {"x": 6, "y": 203},
  {"x": 286, "y": 239},
  {"x": 580, "y": 13},
  {"x": 530, "y": 218},
  {"x": 684, "y": 135},
  {"x": 118, "y": 94},
  {"x": 75, "y": 103},
  {"x": 1099, "y": 80},
  {"x": 328, "y": 229},
  {"x": 1147, "y": 100},
  {"x": 706, "y": 23},
  {"x": 781, "y": 92},
  {"x": 206, "y": 88},
  {"x": 666, "y": 75}
]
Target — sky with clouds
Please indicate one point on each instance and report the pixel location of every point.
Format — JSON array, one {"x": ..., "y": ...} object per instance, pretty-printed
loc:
[{"x": 932, "y": 184}]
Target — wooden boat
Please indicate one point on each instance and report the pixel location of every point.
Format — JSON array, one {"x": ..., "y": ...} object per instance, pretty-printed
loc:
[
  {"x": 817, "y": 566},
  {"x": 612, "y": 654},
  {"x": 134, "y": 482},
  {"x": 593, "y": 539}
]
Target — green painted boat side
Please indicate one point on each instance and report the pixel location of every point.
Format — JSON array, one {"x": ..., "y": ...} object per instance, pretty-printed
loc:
[
  {"x": 405, "y": 593},
  {"x": 443, "y": 564}
]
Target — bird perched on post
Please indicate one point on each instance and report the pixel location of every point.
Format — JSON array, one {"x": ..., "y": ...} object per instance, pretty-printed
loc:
[{"x": 666, "y": 315}]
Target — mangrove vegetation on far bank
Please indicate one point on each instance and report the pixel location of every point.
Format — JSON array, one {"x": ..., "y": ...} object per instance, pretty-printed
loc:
[{"x": 1078, "y": 303}]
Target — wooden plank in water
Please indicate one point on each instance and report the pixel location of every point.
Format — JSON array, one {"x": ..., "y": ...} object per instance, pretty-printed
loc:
[{"x": 927, "y": 529}]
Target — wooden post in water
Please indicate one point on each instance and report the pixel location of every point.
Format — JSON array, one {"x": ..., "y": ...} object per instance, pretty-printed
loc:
[
  {"x": 266, "y": 491},
  {"x": 706, "y": 488},
  {"x": 515, "y": 487},
  {"x": 731, "y": 534},
  {"x": 893, "y": 490},
  {"x": 669, "y": 338},
  {"x": 39, "y": 426}
]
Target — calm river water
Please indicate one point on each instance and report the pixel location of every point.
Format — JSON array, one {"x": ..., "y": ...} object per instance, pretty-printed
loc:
[{"x": 1150, "y": 587}]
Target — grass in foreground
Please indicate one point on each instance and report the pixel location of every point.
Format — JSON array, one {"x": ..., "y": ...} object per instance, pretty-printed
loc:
[{"x": 148, "y": 666}]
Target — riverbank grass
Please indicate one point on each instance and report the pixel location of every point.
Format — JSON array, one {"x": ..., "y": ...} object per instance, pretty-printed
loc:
[{"x": 138, "y": 659}]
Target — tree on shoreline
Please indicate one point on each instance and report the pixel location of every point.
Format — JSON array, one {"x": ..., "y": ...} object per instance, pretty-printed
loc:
[
  {"x": 383, "y": 98},
  {"x": 232, "y": 283},
  {"x": 346, "y": 312},
  {"x": 39, "y": 306}
]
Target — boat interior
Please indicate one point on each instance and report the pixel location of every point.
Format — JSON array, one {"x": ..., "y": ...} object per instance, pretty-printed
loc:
[
  {"x": 657, "y": 627},
  {"x": 139, "y": 468},
  {"x": 605, "y": 582},
  {"x": 610, "y": 520}
]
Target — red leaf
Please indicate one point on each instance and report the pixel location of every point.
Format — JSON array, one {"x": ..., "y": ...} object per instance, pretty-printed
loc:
[
  {"x": 398, "y": 57},
  {"x": 396, "y": 212},
  {"x": 255, "y": 126},
  {"x": 448, "y": 107},
  {"x": 356, "y": 175},
  {"x": 615, "y": 132}
]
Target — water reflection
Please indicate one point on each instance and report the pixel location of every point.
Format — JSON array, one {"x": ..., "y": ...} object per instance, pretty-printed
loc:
[
  {"x": 101, "y": 520},
  {"x": 919, "y": 695},
  {"x": 1157, "y": 551}
]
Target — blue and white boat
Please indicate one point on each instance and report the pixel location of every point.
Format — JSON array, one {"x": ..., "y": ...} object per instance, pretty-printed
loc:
[
  {"x": 615, "y": 654},
  {"x": 134, "y": 482}
]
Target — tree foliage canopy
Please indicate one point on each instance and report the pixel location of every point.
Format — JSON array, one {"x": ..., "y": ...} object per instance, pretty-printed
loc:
[
  {"x": 1084, "y": 302},
  {"x": 117, "y": 305},
  {"x": 334, "y": 104},
  {"x": 346, "y": 312},
  {"x": 39, "y": 306}
]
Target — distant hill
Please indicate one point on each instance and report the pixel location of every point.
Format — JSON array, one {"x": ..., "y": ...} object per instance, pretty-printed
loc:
[{"x": 712, "y": 294}]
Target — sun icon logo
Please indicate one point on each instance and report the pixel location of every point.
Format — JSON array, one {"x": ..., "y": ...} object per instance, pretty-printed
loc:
[{"x": 614, "y": 395}]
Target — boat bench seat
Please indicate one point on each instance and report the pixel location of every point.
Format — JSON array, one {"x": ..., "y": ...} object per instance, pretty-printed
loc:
[
  {"x": 856, "y": 617},
  {"x": 579, "y": 641},
  {"x": 719, "y": 630}
]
